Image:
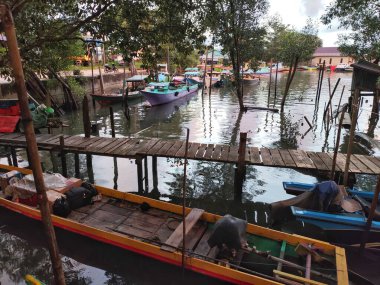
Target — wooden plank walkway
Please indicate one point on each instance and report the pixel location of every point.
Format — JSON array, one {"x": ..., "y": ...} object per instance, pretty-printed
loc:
[{"x": 133, "y": 148}]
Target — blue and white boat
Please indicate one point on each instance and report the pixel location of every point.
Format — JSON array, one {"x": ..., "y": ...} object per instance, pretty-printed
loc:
[
  {"x": 342, "y": 227},
  {"x": 165, "y": 92}
]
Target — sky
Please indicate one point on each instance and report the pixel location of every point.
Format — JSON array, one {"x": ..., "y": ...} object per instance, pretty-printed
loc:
[{"x": 296, "y": 12}]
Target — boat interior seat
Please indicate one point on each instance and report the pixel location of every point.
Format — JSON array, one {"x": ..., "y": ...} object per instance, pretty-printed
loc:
[{"x": 367, "y": 207}]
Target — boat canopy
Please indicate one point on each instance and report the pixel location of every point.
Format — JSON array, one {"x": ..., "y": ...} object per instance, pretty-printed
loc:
[
  {"x": 225, "y": 71},
  {"x": 191, "y": 69},
  {"x": 159, "y": 84},
  {"x": 136, "y": 78},
  {"x": 249, "y": 71}
]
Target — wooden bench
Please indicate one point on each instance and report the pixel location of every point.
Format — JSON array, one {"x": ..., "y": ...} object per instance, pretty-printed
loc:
[{"x": 175, "y": 239}]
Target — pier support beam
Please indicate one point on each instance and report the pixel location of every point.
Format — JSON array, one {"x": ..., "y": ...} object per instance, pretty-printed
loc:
[
  {"x": 14, "y": 157},
  {"x": 139, "y": 175},
  {"x": 63, "y": 156},
  {"x": 90, "y": 170},
  {"x": 146, "y": 174},
  {"x": 154, "y": 173},
  {"x": 76, "y": 162},
  {"x": 240, "y": 170}
]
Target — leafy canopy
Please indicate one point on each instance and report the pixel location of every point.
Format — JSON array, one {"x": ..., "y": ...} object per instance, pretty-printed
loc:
[{"x": 363, "y": 18}]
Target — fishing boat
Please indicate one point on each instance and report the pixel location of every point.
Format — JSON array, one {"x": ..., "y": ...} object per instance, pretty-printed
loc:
[
  {"x": 345, "y": 226},
  {"x": 343, "y": 67},
  {"x": 155, "y": 229},
  {"x": 118, "y": 97},
  {"x": 158, "y": 93}
]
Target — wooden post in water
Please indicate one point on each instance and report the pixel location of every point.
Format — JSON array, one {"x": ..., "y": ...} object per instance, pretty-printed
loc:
[
  {"x": 205, "y": 73},
  {"x": 63, "y": 155},
  {"x": 332, "y": 174},
  {"x": 86, "y": 118},
  {"x": 76, "y": 162},
  {"x": 275, "y": 85},
  {"x": 320, "y": 83},
  {"x": 371, "y": 214},
  {"x": 355, "y": 108},
  {"x": 240, "y": 171},
  {"x": 15, "y": 62},
  {"x": 14, "y": 156},
  {"x": 154, "y": 173},
  {"x": 140, "y": 178},
  {"x": 112, "y": 122},
  {"x": 92, "y": 77},
  {"x": 270, "y": 81},
  {"x": 146, "y": 174},
  {"x": 212, "y": 67}
]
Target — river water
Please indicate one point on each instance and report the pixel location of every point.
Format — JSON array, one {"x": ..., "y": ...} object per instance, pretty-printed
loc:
[{"x": 211, "y": 118}]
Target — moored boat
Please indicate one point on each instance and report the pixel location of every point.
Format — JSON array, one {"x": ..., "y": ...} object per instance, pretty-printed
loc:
[
  {"x": 165, "y": 92},
  {"x": 343, "y": 67},
  {"x": 154, "y": 229},
  {"x": 263, "y": 70},
  {"x": 345, "y": 224}
]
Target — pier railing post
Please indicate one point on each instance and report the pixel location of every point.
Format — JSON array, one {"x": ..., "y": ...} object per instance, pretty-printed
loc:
[
  {"x": 240, "y": 171},
  {"x": 112, "y": 122},
  {"x": 14, "y": 156},
  {"x": 154, "y": 173},
  {"x": 139, "y": 175}
]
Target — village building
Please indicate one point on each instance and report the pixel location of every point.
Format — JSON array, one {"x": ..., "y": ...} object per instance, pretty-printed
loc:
[
  {"x": 217, "y": 58},
  {"x": 331, "y": 56}
]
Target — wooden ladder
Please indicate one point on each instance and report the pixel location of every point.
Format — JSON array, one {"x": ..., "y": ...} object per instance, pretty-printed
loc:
[{"x": 175, "y": 239}]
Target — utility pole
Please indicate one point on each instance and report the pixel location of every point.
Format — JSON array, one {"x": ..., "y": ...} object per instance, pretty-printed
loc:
[{"x": 7, "y": 25}]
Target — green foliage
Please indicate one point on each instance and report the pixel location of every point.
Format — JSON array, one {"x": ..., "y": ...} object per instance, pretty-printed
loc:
[
  {"x": 362, "y": 17},
  {"x": 292, "y": 43},
  {"x": 76, "y": 87}
]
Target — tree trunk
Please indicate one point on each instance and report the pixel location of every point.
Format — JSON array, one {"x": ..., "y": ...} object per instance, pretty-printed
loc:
[{"x": 66, "y": 88}]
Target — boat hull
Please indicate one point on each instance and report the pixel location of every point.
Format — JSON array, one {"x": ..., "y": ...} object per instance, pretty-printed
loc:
[
  {"x": 108, "y": 99},
  {"x": 158, "y": 98}
]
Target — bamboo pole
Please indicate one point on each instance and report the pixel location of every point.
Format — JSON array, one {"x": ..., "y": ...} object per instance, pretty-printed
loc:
[
  {"x": 184, "y": 202},
  {"x": 352, "y": 134},
  {"x": 112, "y": 122},
  {"x": 15, "y": 61},
  {"x": 275, "y": 85},
  {"x": 270, "y": 81},
  {"x": 240, "y": 170}
]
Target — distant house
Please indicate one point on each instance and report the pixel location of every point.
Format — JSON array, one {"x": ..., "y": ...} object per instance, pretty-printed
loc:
[
  {"x": 331, "y": 55},
  {"x": 218, "y": 57}
]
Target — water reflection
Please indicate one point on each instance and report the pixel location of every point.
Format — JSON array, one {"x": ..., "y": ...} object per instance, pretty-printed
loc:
[{"x": 215, "y": 119}]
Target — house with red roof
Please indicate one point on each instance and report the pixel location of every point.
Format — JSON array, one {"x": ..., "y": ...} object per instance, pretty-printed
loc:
[{"x": 331, "y": 55}]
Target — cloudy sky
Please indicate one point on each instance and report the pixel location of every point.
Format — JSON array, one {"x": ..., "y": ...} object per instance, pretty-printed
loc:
[{"x": 296, "y": 12}]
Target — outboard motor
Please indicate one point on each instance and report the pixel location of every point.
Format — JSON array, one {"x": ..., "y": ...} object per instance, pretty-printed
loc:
[{"x": 229, "y": 235}]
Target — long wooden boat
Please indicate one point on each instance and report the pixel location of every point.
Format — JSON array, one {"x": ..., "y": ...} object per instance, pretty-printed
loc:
[
  {"x": 162, "y": 93},
  {"x": 154, "y": 228},
  {"x": 344, "y": 228}
]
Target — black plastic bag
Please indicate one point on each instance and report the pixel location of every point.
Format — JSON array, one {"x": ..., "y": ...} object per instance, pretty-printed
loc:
[
  {"x": 79, "y": 197},
  {"x": 61, "y": 207}
]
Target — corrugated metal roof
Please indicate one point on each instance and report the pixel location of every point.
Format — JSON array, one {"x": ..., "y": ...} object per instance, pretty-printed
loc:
[
  {"x": 327, "y": 51},
  {"x": 367, "y": 66}
]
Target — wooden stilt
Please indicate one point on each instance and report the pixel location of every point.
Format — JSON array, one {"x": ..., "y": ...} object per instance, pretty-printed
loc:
[
  {"x": 204, "y": 74},
  {"x": 53, "y": 162},
  {"x": 115, "y": 172},
  {"x": 15, "y": 62},
  {"x": 336, "y": 147},
  {"x": 139, "y": 175},
  {"x": 146, "y": 174},
  {"x": 355, "y": 103},
  {"x": 63, "y": 156},
  {"x": 90, "y": 170},
  {"x": 240, "y": 171},
  {"x": 275, "y": 85},
  {"x": 212, "y": 67},
  {"x": 86, "y": 118},
  {"x": 154, "y": 172},
  {"x": 14, "y": 156},
  {"x": 76, "y": 162},
  {"x": 112, "y": 122}
]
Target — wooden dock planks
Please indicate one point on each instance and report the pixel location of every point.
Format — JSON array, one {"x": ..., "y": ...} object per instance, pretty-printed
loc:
[{"x": 133, "y": 147}]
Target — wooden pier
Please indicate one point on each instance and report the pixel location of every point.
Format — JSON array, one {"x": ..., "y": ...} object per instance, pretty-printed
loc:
[{"x": 141, "y": 148}]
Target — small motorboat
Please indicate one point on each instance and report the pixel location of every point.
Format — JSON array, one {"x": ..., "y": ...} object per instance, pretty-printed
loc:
[{"x": 343, "y": 223}]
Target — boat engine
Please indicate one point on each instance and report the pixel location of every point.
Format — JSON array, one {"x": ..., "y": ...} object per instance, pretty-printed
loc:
[{"x": 228, "y": 235}]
